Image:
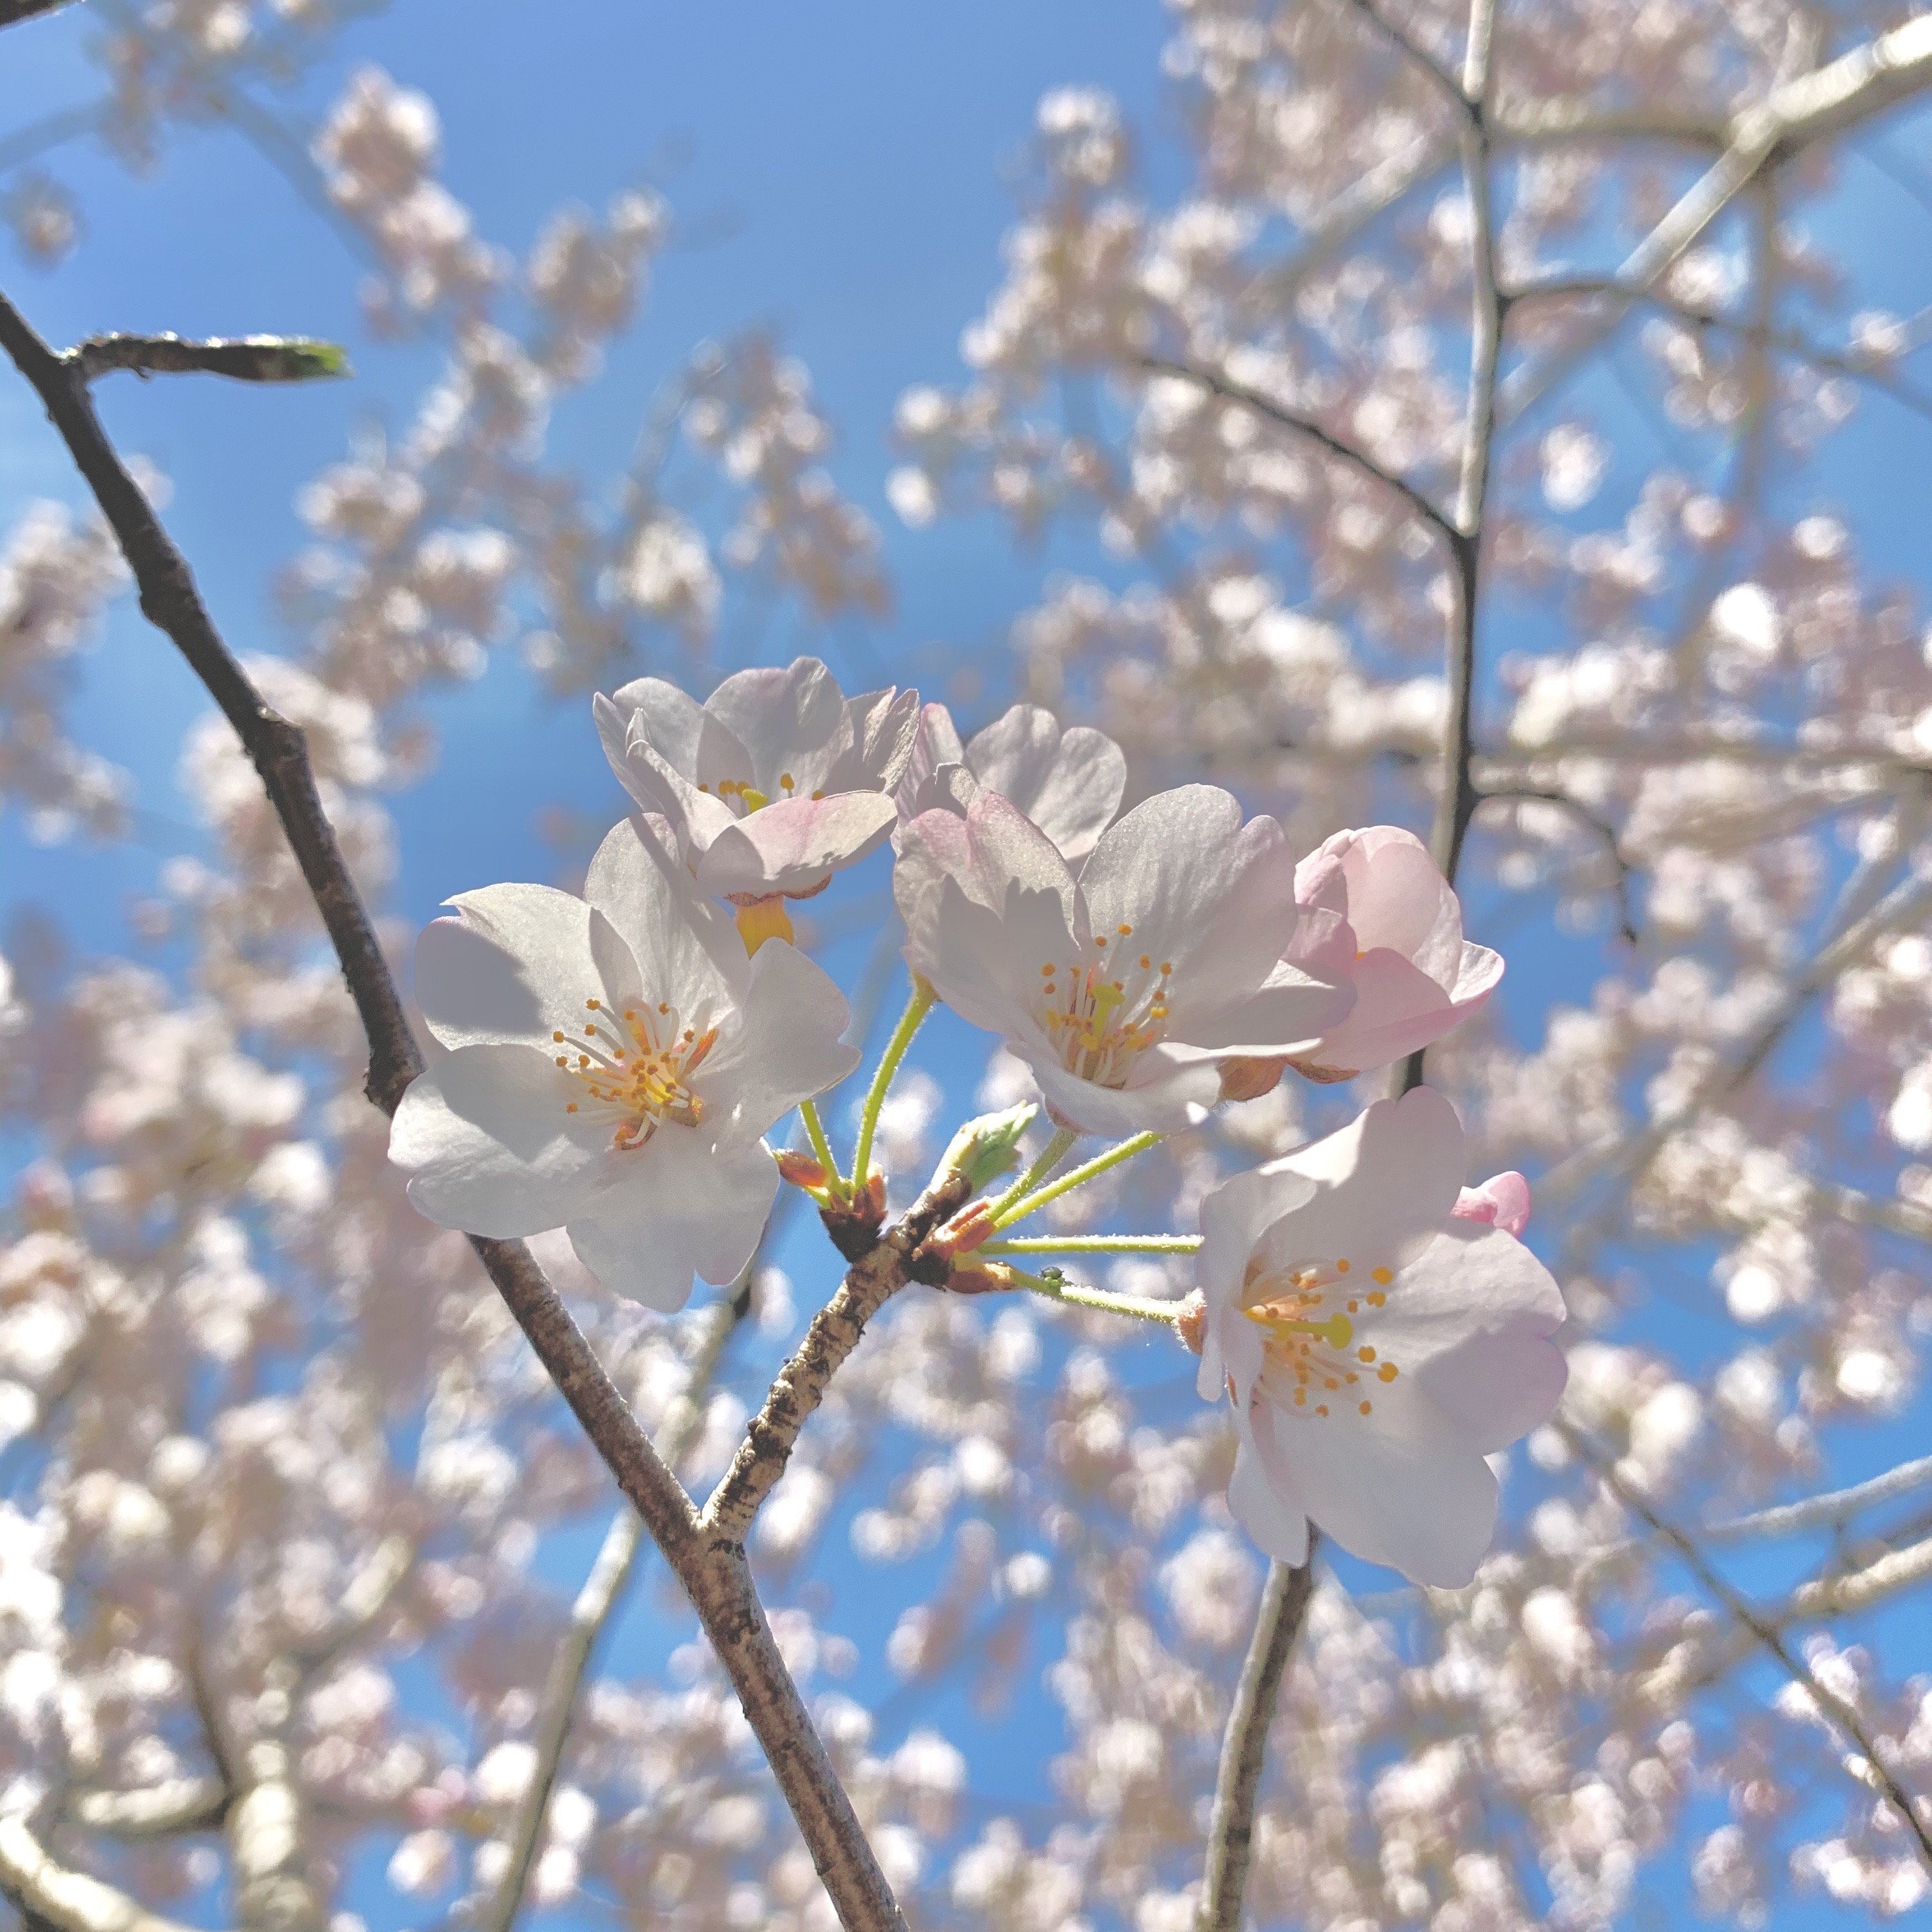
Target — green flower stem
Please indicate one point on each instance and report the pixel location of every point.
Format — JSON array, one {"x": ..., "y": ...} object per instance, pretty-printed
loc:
[
  {"x": 923, "y": 999},
  {"x": 1126, "y": 1150},
  {"x": 1055, "y": 1153},
  {"x": 821, "y": 1148},
  {"x": 1093, "y": 1244},
  {"x": 1081, "y": 1297}
]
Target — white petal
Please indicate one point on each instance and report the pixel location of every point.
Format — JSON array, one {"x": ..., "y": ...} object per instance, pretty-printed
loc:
[
  {"x": 791, "y": 846},
  {"x": 672, "y": 719},
  {"x": 1233, "y": 1217},
  {"x": 683, "y": 1206},
  {"x": 1469, "y": 1319},
  {"x": 1181, "y": 1098},
  {"x": 1201, "y": 891},
  {"x": 1392, "y": 1489},
  {"x": 786, "y": 1047},
  {"x": 1264, "y": 1498},
  {"x": 515, "y": 964},
  {"x": 885, "y": 730},
  {"x": 1388, "y": 1179},
  {"x": 793, "y": 720},
  {"x": 687, "y": 949},
  {"x": 1069, "y": 785},
  {"x": 488, "y": 1147}
]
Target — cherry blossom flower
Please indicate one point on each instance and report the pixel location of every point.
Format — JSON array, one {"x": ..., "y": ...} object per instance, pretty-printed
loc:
[
  {"x": 614, "y": 1060},
  {"x": 771, "y": 785},
  {"x": 1068, "y": 783},
  {"x": 1124, "y": 989},
  {"x": 1386, "y": 920},
  {"x": 1377, "y": 1342}
]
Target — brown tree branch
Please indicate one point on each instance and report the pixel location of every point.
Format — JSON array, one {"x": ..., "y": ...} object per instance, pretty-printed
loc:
[
  {"x": 714, "y": 1573},
  {"x": 1792, "y": 342},
  {"x": 1581, "y": 813},
  {"x": 878, "y": 1274},
  {"x": 1456, "y": 796},
  {"x": 602, "y": 1594},
  {"x": 1231, "y": 1833},
  {"x": 1445, "y": 81}
]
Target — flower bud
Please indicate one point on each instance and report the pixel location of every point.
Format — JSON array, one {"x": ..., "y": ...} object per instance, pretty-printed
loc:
[
  {"x": 984, "y": 1149},
  {"x": 801, "y": 1170}
]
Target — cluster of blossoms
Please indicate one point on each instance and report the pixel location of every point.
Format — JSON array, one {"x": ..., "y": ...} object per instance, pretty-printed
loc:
[{"x": 614, "y": 1062}]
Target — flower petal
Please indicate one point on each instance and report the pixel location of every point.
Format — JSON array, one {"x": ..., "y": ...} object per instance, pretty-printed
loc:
[
  {"x": 1399, "y": 898},
  {"x": 1180, "y": 1097},
  {"x": 488, "y": 1147},
  {"x": 793, "y": 720},
  {"x": 1069, "y": 785},
  {"x": 885, "y": 730},
  {"x": 786, "y": 1046},
  {"x": 687, "y": 949},
  {"x": 1233, "y": 1217},
  {"x": 1391, "y": 1489},
  {"x": 1387, "y": 1182},
  {"x": 1263, "y": 1495},
  {"x": 514, "y": 963},
  {"x": 686, "y": 1206},
  {"x": 1212, "y": 897},
  {"x": 790, "y": 846},
  {"x": 1469, "y": 1320}
]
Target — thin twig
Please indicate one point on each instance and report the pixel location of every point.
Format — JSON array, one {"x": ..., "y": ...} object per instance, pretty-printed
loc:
[
  {"x": 1230, "y": 391},
  {"x": 1828, "y": 1701},
  {"x": 1601, "y": 826},
  {"x": 13, "y": 12},
  {"x": 1792, "y": 342},
  {"x": 1456, "y": 796},
  {"x": 713, "y": 1572},
  {"x": 1243, "y": 1748},
  {"x": 1831, "y": 1510},
  {"x": 243, "y": 358},
  {"x": 1423, "y": 58}
]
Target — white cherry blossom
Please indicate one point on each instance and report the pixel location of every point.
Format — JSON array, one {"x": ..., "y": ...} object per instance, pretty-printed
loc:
[
  {"x": 1068, "y": 783},
  {"x": 1384, "y": 917},
  {"x": 1124, "y": 990},
  {"x": 613, "y": 1061},
  {"x": 1378, "y": 1339},
  {"x": 771, "y": 785}
]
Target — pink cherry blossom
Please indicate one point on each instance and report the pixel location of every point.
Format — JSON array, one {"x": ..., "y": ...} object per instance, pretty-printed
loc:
[
  {"x": 1068, "y": 783},
  {"x": 1124, "y": 990},
  {"x": 1377, "y": 1344},
  {"x": 1502, "y": 1202},
  {"x": 613, "y": 1061},
  {"x": 773, "y": 784},
  {"x": 1385, "y": 919}
]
